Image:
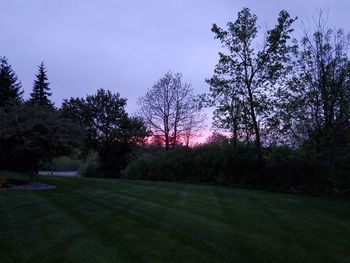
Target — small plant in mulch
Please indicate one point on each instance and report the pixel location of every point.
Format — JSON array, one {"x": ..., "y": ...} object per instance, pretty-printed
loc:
[{"x": 3, "y": 182}]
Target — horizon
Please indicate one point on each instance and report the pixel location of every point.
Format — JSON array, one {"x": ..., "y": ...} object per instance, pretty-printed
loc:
[{"x": 128, "y": 58}]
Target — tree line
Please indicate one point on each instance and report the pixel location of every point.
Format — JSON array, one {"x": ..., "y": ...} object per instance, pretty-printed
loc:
[
  {"x": 34, "y": 132},
  {"x": 285, "y": 102}
]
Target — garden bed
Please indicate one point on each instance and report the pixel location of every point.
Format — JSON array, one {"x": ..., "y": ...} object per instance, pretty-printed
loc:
[{"x": 15, "y": 184}]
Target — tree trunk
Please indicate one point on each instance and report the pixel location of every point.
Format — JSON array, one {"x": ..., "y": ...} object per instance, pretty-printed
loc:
[
  {"x": 235, "y": 137},
  {"x": 255, "y": 123},
  {"x": 34, "y": 172},
  {"x": 174, "y": 139},
  {"x": 166, "y": 141}
]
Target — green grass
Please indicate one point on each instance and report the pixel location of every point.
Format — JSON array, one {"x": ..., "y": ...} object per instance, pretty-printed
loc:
[{"x": 101, "y": 220}]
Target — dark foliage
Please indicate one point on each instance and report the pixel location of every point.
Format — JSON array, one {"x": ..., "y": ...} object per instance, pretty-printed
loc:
[
  {"x": 281, "y": 168},
  {"x": 30, "y": 134},
  {"x": 108, "y": 128},
  {"x": 245, "y": 77},
  {"x": 10, "y": 87},
  {"x": 41, "y": 90}
]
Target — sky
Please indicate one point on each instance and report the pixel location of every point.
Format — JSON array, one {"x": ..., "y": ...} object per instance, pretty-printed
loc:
[{"x": 126, "y": 46}]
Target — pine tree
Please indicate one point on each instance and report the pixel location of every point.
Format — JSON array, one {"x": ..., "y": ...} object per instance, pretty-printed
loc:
[
  {"x": 10, "y": 86},
  {"x": 41, "y": 91}
]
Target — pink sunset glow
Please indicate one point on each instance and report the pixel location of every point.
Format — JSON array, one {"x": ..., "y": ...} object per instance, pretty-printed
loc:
[{"x": 198, "y": 138}]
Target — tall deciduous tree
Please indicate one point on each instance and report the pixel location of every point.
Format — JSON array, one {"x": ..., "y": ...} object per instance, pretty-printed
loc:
[
  {"x": 170, "y": 108},
  {"x": 41, "y": 90},
  {"x": 245, "y": 77},
  {"x": 109, "y": 129},
  {"x": 315, "y": 104},
  {"x": 10, "y": 87}
]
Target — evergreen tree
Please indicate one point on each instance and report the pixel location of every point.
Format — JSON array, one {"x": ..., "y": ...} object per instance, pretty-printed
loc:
[
  {"x": 30, "y": 134},
  {"x": 10, "y": 86},
  {"x": 41, "y": 91}
]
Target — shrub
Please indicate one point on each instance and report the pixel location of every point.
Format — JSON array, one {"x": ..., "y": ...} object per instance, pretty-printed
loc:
[
  {"x": 90, "y": 167},
  {"x": 3, "y": 181},
  {"x": 66, "y": 163},
  {"x": 220, "y": 163},
  {"x": 276, "y": 168}
]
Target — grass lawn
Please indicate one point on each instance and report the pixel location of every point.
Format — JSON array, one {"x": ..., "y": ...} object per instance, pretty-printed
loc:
[{"x": 101, "y": 220}]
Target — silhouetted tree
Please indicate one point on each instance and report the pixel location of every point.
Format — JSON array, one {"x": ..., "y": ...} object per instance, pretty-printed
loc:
[
  {"x": 217, "y": 138},
  {"x": 244, "y": 78},
  {"x": 316, "y": 100},
  {"x": 314, "y": 107},
  {"x": 30, "y": 134},
  {"x": 10, "y": 86},
  {"x": 194, "y": 126},
  {"x": 109, "y": 129},
  {"x": 169, "y": 109},
  {"x": 41, "y": 90}
]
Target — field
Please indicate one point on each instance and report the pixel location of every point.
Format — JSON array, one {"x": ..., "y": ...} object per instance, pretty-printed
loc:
[{"x": 100, "y": 220}]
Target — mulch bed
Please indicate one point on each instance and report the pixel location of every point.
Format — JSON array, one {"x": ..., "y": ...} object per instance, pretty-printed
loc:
[{"x": 14, "y": 184}]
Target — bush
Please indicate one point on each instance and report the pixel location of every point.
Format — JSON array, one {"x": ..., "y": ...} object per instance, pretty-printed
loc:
[
  {"x": 90, "y": 168},
  {"x": 220, "y": 163},
  {"x": 3, "y": 181},
  {"x": 66, "y": 163},
  {"x": 275, "y": 168}
]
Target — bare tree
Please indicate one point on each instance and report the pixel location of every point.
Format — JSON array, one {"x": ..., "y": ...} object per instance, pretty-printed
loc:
[
  {"x": 170, "y": 109},
  {"x": 193, "y": 126}
]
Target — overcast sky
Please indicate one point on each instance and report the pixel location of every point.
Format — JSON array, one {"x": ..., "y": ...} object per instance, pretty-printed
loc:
[{"x": 125, "y": 46}]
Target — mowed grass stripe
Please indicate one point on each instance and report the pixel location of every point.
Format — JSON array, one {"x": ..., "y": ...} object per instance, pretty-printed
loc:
[
  {"x": 27, "y": 216},
  {"x": 82, "y": 235},
  {"x": 252, "y": 197},
  {"x": 144, "y": 207},
  {"x": 162, "y": 217},
  {"x": 147, "y": 227},
  {"x": 92, "y": 244},
  {"x": 96, "y": 220},
  {"x": 255, "y": 234}
]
